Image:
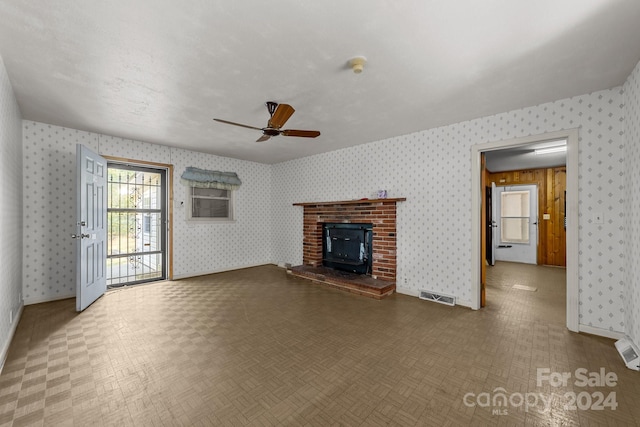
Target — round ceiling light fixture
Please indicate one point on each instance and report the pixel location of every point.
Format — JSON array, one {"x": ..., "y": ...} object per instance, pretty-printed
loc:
[{"x": 357, "y": 64}]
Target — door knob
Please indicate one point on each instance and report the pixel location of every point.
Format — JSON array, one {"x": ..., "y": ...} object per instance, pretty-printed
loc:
[{"x": 80, "y": 236}]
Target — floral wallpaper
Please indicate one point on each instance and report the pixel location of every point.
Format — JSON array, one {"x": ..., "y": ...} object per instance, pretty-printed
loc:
[
  {"x": 432, "y": 169},
  {"x": 632, "y": 205},
  {"x": 11, "y": 217},
  {"x": 50, "y": 197}
]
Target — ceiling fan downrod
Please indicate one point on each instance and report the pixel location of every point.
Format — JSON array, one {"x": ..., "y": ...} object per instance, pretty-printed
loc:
[{"x": 271, "y": 107}]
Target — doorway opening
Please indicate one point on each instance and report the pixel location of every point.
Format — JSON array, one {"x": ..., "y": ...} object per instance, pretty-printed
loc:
[
  {"x": 137, "y": 231},
  {"x": 480, "y": 230}
]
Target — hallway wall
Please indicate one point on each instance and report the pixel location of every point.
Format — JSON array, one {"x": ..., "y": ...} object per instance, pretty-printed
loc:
[
  {"x": 632, "y": 205},
  {"x": 10, "y": 212}
]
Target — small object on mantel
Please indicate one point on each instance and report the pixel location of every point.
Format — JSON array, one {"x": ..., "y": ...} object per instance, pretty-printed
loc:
[
  {"x": 351, "y": 202},
  {"x": 365, "y": 198}
]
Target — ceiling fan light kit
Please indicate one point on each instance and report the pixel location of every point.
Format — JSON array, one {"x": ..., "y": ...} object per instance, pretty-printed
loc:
[
  {"x": 357, "y": 64},
  {"x": 279, "y": 113}
]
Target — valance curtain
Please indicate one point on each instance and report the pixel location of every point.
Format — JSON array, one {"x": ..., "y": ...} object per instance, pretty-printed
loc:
[{"x": 194, "y": 177}]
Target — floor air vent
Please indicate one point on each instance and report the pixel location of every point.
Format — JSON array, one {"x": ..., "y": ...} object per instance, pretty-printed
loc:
[
  {"x": 441, "y": 298},
  {"x": 628, "y": 353}
]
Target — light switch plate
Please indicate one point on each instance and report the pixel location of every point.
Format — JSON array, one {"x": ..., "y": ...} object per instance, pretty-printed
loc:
[{"x": 546, "y": 216}]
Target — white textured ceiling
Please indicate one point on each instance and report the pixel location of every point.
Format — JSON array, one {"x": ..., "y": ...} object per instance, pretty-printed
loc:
[
  {"x": 524, "y": 157},
  {"x": 160, "y": 70}
]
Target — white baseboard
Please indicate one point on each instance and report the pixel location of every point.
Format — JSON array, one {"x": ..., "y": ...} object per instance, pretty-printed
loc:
[
  {"x": 583, "y": 328},
  {"x": 221, "y": 270},
  {"x": 38, "y": 300},
  {"x": 464, "y": 303},
  {"x": 12, "y": 332},
  {"x": 601, "y": 332},
  {"x": 407, "y": 291}
]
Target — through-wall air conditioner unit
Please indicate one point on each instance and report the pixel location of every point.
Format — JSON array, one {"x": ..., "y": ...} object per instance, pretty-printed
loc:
[
  {"x": 629, "y": 353},
  {"x": 437, "y": 297}
]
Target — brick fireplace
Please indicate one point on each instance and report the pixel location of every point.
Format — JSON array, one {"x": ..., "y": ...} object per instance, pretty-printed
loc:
[{"x": 381, "y": 213}]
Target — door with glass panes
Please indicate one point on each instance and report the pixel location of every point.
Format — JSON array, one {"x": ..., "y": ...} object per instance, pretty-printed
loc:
[
  {"x": 136, "y": 224},
  {"x": 517, "y": 223}
]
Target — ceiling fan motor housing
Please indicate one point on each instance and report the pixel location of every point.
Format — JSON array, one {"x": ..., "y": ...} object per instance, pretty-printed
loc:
[{"x": 271, "y": 131}]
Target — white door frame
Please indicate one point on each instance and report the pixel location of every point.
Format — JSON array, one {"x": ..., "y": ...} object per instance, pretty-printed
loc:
[
  {"x": 169, "y": 195},
  {"x": 572, "y": 214},
  {"x": 494, "y": 215},
  {"x": 165, "y": 172}
]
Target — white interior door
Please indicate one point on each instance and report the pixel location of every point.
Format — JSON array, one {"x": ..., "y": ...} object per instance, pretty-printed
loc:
[
  {"x": 517, "y": 224},
  {"x": 91, "y": 234}
]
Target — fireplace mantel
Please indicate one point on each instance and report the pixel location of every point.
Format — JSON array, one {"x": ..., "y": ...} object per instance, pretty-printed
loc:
[{"x": 352, "y": 202}]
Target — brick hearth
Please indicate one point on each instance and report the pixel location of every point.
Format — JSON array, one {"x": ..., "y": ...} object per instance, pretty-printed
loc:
[{"x": 379, "y": 212}]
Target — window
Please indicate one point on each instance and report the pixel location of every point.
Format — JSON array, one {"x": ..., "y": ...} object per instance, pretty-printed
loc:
[
  {"x": 210, "y": 204},
  {"x": 146, "y": 224},
  {"x": 514, "y": 216}
]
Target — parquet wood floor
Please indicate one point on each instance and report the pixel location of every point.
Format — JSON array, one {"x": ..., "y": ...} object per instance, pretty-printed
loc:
[{"x": 260, "y": 347}]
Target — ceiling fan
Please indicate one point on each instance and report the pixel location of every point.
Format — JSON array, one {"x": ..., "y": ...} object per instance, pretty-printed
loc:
[{"x": 279, "y": 113}]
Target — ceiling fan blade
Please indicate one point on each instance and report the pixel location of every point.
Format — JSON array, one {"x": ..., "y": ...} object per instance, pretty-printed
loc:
[
  {"x": 263, "y": 138},
  {"x": 281, "y": 115},
  {"x": 301, "y": 133},
  {"x": 237, "y": 124}
]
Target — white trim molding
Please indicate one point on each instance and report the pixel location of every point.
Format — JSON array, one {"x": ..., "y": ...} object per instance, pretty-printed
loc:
[
  {"x": 572, "y": 215},
  {"x": 41, "y": 299},
  {"x": 12, "y": 333},
  {"x": 601, "y": 332},
  {"x": 221, "y": 270}
]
